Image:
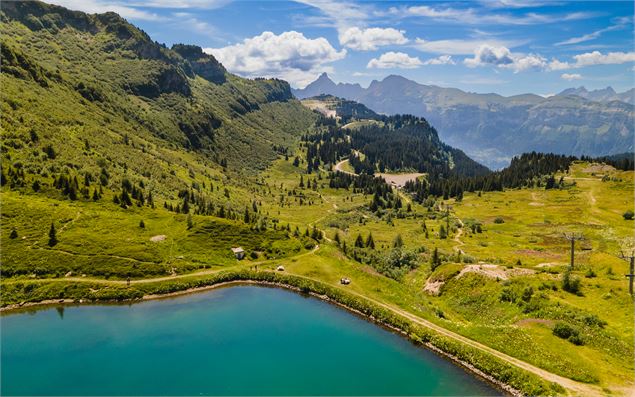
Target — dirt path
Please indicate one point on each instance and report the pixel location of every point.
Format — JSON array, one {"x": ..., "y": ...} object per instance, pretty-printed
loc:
[
  {"x": 457, "y": 237},
  {"x": 338, "y": 167},
  {"x": 164, "y": 278}
]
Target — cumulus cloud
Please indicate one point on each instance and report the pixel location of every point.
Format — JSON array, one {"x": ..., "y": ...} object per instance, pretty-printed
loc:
[
  {"x": 502, "y": 57},
  {"x": 441, "y": 60},
  {"x": 558, "y": 65},
  {"x": 570, "y": 77},
  {"x": 489, "y": 55},
  {"x": 394, "y": 60},
  {"x": 371, "y": 38},
  {"x": 597, "y": 58},
  {"x": 593, "y": 58},
  {"x": 290, "y": 56}
]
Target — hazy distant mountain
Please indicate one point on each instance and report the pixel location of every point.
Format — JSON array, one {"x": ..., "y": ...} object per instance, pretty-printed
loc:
[
  {"x": 607, "y": 94},
  {"x": 324, "y": 85},
  {"x": 492, "y": 128}
]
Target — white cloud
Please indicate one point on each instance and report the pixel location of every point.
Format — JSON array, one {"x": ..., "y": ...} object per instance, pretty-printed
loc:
[
  {"x": 203, "y": 4},
  {"x": 620, "y": 23},
  {"x": 441, "y": 60},
  {"x": 558, "y": 65},
  {"x": 99, "y": 6},
  {"x": 471, "y": 16},
  {"x": 342, "y": 14},
  {"x": 597, "y": 58},
  {"x": 290, "y": 56},
  {"x": 394, "y": 60},
  {"x": 371, "y": 38},
  {"x": 459, "y": 47},
  {"x": 489, "y": 55},
  {"x": 570, "y": 77},
  {"x": 502, "y": 57},
  {"x": 516, "y": 3}
]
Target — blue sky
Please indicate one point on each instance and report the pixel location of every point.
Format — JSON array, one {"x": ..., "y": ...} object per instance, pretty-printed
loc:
[{"x": 504, "y": 46}]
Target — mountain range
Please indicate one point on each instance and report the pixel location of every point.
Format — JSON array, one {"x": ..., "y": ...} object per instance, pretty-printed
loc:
[{"x": 492, "y": 128}]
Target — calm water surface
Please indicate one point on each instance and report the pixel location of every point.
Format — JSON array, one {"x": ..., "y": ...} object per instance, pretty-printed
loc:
[{"x": 243, "y": 340}]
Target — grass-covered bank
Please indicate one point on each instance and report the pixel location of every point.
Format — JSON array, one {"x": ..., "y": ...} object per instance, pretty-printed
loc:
[{"x": 507, "y": 376}]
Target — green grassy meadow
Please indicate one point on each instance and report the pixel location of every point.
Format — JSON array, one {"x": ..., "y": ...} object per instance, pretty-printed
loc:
[{"x": 527, "y": 250}]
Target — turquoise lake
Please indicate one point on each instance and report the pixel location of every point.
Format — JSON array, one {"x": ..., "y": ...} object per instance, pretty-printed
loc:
[{"x": 243, "y": 340}]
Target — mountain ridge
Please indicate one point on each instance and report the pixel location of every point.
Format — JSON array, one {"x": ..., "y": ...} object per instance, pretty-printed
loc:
[{"x": 492, "y": 128}]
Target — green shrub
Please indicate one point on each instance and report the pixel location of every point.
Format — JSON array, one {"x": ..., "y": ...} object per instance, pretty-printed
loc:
[
  {"x": 571, "y": 283},
  {"x": 508, "y": 295},
  {"x": 564, "y": 331},
  {"x": 628, "y": 215},
  {"x": 499, "y": 220}
]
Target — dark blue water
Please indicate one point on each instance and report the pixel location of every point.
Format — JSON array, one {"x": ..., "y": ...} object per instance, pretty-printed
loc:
[{"x": 242, "y": 340}]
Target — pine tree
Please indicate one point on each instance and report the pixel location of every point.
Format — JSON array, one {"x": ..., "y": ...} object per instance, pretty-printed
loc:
[
  {"x": 370, "y": 243},
  {"x": 14, "y": 234},
  {"x": 398, "y": 242},
  {"x": 435, "y": 260},
  {"x": 246, "y": 218},
  {"x": 142, "y": 224},
  {"x": 52, "y": 235},
  {"x": 359, "y": 241},
  {"x": 443, "y": 234},
  {"x": 190, "y": 222}
]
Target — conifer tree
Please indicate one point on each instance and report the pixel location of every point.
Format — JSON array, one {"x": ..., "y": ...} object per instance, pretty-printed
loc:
[
  {"x": 398, "y": 242},
  {"x": 359, "y": 241},
  {"x": 52, "y": 235},
  {"x": 435, "y": 261},
  {"x": 370, "y": 242}
]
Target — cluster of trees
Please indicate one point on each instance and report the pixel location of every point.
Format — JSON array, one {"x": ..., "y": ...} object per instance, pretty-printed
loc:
[
  {"x": 528, "y": 169},
  {"x": 400, "y": 142},
  {"x": 405, "y": 142},
  {"x": 624, "y": 161},
  {"x": 383, "y": 195},
  {"x": 130, "y": 192}
]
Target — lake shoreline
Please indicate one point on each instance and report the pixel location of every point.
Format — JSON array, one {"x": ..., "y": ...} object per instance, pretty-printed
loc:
[{"x": 499, "y": 385}]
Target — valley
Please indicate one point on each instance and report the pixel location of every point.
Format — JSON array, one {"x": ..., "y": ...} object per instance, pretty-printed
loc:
[{"x": 129, "y": 188}]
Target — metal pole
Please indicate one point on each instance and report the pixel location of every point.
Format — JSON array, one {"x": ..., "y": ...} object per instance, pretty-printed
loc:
[
  {"x": 631, "y": 275},
  {"x": 572, "y": 252}
]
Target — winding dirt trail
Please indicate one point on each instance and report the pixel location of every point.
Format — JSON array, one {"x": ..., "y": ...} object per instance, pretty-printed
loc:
[
  {"x": 163, "y": 278},
  {"x": 457, "y": 237},
  {"x": 338, "y": 167}
]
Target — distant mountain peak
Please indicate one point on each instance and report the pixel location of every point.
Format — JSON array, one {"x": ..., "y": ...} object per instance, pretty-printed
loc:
[{"x": 607, "y": 94}]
